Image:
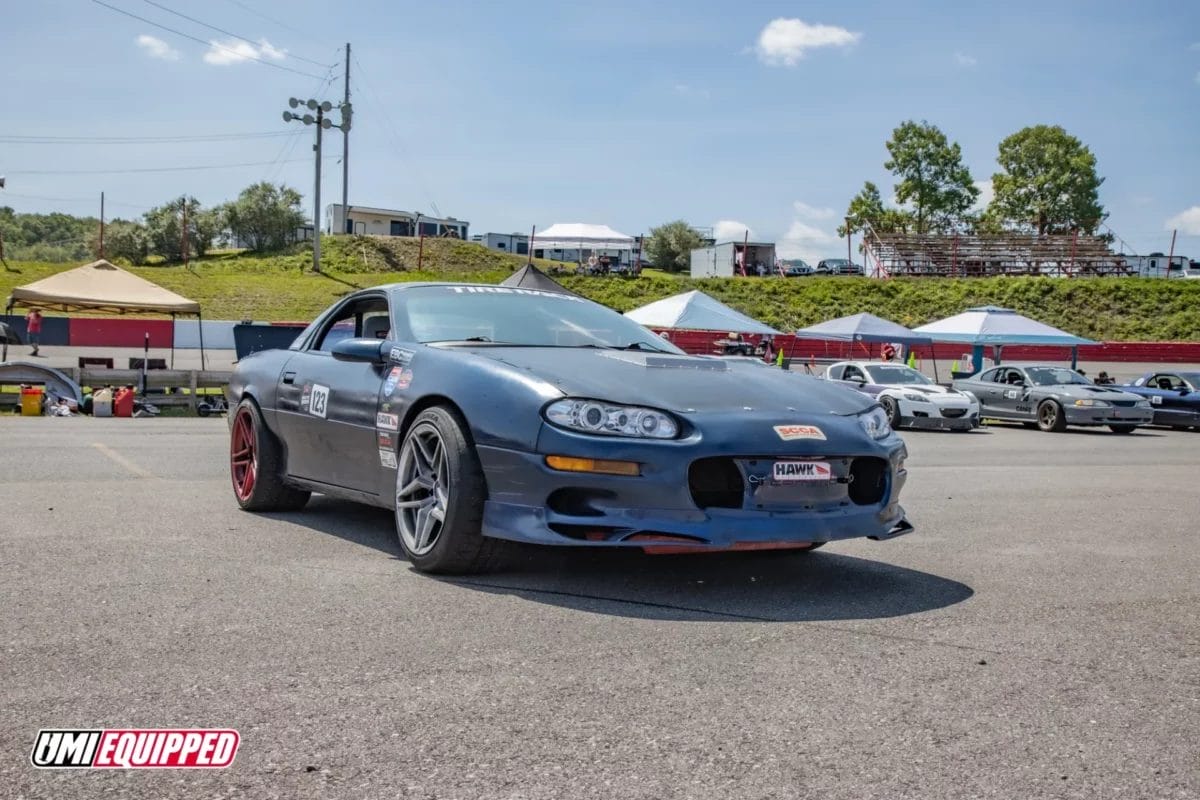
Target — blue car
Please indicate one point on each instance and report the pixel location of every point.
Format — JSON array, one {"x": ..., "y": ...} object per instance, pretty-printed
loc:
[
  {"x": 486, "y": 414},
  {"x": 1174, "y": 397}
]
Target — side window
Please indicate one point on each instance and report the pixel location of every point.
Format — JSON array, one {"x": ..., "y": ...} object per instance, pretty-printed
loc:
[
  {"x": 836, "y": 371},
  {"x": 853, "y": 372},
  {"x": 364, "y": 318},
  {"x": 991, "y": 376}
]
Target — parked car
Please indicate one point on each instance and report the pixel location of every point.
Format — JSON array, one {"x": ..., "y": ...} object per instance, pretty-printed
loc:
[
  {"x": 909, "y": 398},
  {"x": 839, "y": 266},
  {"x": 1051, "y": 397},
  {"x": 797, "y": 269},
  {"x": 1174, "y": 397},
  {"x": 481, "y": 414}
]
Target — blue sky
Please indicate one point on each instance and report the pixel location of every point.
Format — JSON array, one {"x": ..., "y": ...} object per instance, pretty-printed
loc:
[{"x": 761, "y": 114}]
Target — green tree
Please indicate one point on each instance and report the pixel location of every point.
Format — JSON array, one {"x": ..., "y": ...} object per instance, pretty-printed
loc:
[
  {"x": 932, "y": 177},
  {"x": 1047, "y": 183},
  {"x": 264, "y": 216},
  {"x": 164, "y": 226},
  {"x": 669, "y": 246},
  {"x": 867, "y": 208},
  {"x": 123, "y": 240}
]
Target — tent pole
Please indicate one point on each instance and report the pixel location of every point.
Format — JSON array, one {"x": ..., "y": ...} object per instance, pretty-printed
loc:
[
  {"x": 200, "y": 325},
  {"x": 7, "y": 312},
  {"x": 172, "y": 341},
  {"x": 933, "y": 358}
]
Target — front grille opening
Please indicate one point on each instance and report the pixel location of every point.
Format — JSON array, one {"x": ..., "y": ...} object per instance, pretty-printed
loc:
[
  {"x": 953, "y": 413},
  {"x": 575, "y": 502},
  {"x": 868, "y": 480},
  {"x": 716, "y": 483}
]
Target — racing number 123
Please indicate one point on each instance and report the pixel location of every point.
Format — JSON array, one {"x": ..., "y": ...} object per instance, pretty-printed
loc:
[{"x": 320, "y": 400}]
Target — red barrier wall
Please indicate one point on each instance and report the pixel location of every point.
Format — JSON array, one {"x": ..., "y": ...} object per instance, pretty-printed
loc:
[
  {"x": 101, "y": 332},
  {"x": 702, "y": 342}
]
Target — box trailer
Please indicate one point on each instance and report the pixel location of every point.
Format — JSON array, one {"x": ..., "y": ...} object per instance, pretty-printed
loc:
[{"x": 725, "y": 260}]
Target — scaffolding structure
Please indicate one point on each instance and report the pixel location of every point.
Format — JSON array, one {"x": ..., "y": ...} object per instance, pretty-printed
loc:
[{"x": 961, "y": 255}]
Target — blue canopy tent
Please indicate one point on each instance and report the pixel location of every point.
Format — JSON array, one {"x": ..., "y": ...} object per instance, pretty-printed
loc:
[
  {"x": 865, "y": 327},
  {"x": 997, "y": 326}
]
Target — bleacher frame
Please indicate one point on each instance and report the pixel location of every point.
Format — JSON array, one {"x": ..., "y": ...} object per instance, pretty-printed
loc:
[{"x": 960, "y": 255}]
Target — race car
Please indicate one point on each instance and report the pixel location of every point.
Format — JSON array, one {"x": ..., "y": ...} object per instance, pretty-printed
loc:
[
  {"x": 1051, "y": 397},
  {"x": 1174, "y": 397},
  {"x": 908, "y": 397},
  {"x": 481, "y": 414}
]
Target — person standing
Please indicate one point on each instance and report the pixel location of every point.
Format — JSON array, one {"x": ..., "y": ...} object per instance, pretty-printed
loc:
[{"x": 33, "y": 329}]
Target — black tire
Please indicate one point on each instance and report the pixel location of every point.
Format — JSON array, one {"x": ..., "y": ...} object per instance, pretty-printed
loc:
[
  {"x": 1122, "y": 428},
  {"x": 1051, "y": 417},
  {"x": 892, "y": 409},
  {"x": 202, "y": 411},
  {"x": 454, "y": 544},
  {"x": 257, "y": 472}
]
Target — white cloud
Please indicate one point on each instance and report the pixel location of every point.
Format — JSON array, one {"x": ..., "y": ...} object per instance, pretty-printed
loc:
[
  {"x": 784, "y": 41},
  {"x": 157, "y": 48},
  {"x": 986, "y": 193},
  {"x": 811, "y": 212},
  {"x": 964, "y": 60},
  {"x": 725, "y": 230},
  {"x": 806, "y": 241},
  {"x": 235, "y": 51},
  {"x": 687, "y": 90},
  {"x": 1188, "y": 222}
]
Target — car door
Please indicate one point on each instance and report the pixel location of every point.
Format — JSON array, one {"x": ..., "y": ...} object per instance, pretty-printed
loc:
[
  {"x": 327, "y": 408},
  {"x": 1165, "y": 391},
  {"x": 1011, "y": 397},
  {"x": 987, "y": 390}
]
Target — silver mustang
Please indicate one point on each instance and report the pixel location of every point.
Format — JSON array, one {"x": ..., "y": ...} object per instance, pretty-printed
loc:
[{"x": 1053, "y": 397}]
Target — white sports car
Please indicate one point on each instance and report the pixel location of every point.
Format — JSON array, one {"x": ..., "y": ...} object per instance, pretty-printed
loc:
[{"x": 909, "y": 398}]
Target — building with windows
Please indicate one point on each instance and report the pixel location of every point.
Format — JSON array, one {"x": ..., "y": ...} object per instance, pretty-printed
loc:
[
  {"x": 370, "y": 221},
  {"x": 517, "y": 243}
]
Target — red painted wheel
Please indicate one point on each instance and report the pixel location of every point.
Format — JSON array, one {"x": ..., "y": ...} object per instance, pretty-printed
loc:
[
  {"x": 243, "y": 455},
  {"x": 256, "y": 465}
]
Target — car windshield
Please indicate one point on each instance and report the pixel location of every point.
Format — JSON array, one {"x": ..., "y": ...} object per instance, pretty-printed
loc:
[
  {"x": 836, "y": 262},
  {"x": 888, "y": 374},
  {"x": 1193, "y": 378},
  {"x": 514, "y": 316},
  {"x": 1055, "y": 376}
]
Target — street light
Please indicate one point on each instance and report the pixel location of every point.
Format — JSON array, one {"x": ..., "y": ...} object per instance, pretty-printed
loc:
[{"x": 322, "y": 124}]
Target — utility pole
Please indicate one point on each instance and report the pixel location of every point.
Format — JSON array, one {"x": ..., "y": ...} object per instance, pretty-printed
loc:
[
  {"x": 102, "y": 225},
  {"x": 322, "y": 122},
  {"x": 183, "y": 237},
  {"x": 346, "y": 150}
]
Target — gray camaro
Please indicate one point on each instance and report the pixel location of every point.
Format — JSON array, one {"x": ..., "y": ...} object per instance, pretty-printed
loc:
[{"x": 1053, "y": 397}]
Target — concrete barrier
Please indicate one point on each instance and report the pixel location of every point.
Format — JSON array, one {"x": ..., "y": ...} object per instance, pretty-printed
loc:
[{"x": 108, "y": 332}]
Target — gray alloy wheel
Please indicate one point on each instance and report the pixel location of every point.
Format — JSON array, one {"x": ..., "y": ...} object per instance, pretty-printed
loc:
[
  {"x": 1051, "y": 417},
  {"x": 892, "y": 409},
  {"x": 440, "y": 492}
]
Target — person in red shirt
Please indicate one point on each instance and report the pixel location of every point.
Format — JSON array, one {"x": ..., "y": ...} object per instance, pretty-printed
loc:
[{"x": 33, "y": 328}]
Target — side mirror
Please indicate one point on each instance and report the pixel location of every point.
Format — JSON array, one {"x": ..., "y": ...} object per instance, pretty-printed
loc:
[
  {"x": 368, "y": 351},
  {"x": 1184, "y": 391}
]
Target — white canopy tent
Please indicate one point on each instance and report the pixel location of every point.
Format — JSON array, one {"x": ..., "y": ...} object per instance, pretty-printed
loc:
[
  {"x": 696, "y": 311},
  {"x": 580, "y": 236}
]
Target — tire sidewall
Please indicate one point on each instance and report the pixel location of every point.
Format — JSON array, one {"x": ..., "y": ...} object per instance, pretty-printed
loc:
[
  {"x": 892, "y": 408},
  {"x": 1058, "y": 417}
]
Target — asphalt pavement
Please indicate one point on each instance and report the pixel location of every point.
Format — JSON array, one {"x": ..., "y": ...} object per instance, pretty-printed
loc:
[{"x": 1037, "y": 637}]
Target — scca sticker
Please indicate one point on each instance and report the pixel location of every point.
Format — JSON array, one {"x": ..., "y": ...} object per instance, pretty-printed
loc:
[
  {"x": 387, "y": 422},
  {"x": 790, "y": 432},
  {"x": 319, "y": 405},
  {"x": 400, "y": 355}
]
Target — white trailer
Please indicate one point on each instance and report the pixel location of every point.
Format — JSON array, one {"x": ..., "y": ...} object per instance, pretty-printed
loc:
[{"x": 724, "y": 260}]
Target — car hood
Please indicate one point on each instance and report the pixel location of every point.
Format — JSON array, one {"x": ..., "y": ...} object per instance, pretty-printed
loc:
[
  {"x": 920, "y": 388},
  {"x": 676, "y": 382}
]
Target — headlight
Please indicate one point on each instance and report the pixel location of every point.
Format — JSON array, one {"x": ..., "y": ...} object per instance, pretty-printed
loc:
[
  {"x": 913, "y": 397},
  {"x": 875, "y": 423},
  {"x": 1093, "y": 403},
  {"x": 970, "y": 396},
  {"x": 1143, "y": 404},
  {"x": 593, "y": 416}
]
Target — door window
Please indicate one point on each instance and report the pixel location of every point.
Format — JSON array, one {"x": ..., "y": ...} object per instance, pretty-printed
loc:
[
  {"x": 836, "y": 371},
  {"x": 363, "y": 318},
  {"x": 852, "y": 372}
]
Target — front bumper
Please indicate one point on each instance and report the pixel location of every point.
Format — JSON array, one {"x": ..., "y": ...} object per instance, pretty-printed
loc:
[
  {"x": 530, "y": 502},
  {"x": 941, "y": 423},
  {"x": 940, "y": 413},
  {"x": 1176, "y": 417},
  {"x": 1083, "y": 415}
]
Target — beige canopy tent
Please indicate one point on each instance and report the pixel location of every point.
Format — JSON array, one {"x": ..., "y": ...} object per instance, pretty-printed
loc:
[{"x": 105, "y": 287}]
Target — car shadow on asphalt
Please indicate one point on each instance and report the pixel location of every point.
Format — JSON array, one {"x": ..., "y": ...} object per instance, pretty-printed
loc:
[
  {"x": 1081, "y": 430},
  {"x": 778, "y": 586}
]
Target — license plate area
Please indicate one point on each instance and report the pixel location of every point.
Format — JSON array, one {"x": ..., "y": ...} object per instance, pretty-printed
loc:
[{"x": 796, "y": 484}]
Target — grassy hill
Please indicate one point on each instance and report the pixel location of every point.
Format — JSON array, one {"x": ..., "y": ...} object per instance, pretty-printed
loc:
[{"x": 275, "y": 287}]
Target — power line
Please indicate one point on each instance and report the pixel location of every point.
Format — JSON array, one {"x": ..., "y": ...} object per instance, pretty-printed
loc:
[
  {"x": 237, "y": 53},
  {"x": 142, "y": 169},
  {"x": 272, "y": 20},
  {"x": 275, "y": 170},
  {"x": 74, "y": 200},
  {"x": 227, "y": 33},
  {"x": 211, "y": 137}
]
